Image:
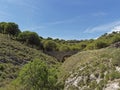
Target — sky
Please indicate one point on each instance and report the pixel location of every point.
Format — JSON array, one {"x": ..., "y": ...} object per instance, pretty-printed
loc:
[{"x": 63, "y": 19}]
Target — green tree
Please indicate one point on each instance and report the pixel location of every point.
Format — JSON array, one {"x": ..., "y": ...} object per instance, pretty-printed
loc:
[
  {"x": 37, "y": 75},
  {"x": 12, "y": 29},
  {"x": 50, "y": 45},
  {"x": 9, "y": 28},
  {"x": 64, "y": 48},
  {"x": 29, "y": 38},
  {"x": 2, "y": 26}
]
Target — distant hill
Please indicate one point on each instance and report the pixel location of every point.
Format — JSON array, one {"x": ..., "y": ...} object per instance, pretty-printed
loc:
[
  {"x": 13, "y": 55},
  {"x": 92, "y": 70}
]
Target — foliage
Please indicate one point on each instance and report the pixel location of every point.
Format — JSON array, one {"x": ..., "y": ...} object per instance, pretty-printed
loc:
[
  {"x": 100, "y": 44},
  {"x": 49, "y": 45},
  {"x": 9, "y": 28},
  {"x": 116, "y": 38},
  {"x": 37, "y": 75},
  {"x": 64, "y": 48},
  {"x": 29, "y": 38},
  {"x": 13, "y": 55}
]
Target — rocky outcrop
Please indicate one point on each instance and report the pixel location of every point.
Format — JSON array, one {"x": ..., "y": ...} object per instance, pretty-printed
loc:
[
  {"x": 116, "y": 45},
  {"x": 112, "y": 86}
]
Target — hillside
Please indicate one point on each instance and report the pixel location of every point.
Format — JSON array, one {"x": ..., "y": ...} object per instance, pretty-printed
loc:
[
  {"x": 92, "y": 70},
  {"x": 13, "y": 55},
  {"x": 24, "y": 64},
  {"x": 58, "y": 48}
]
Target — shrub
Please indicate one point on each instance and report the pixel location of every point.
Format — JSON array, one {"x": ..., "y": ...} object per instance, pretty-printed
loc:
[
  {"x": 116, "y": 38},
  {"x": 50, "y": 45},
  {"x": 37, "y": 75},
  {"x": 29, "y": 38},
  {"x": 9, "y": 28},
  {"x": 64, "y": 48},
  {"x": 100, "y": 44}
]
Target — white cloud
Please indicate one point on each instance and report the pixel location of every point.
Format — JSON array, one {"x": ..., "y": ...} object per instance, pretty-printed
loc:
[{"x": 103, "y": 28}]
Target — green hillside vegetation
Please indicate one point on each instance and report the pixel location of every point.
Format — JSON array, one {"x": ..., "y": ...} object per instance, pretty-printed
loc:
[
  {"x": 37, "y": 75},
  {"x": 91, "y": 70},
  {"x": 14, "y": 55},
  {"x": 48, "y": 45},
  {"x": 25, "y": 65}
]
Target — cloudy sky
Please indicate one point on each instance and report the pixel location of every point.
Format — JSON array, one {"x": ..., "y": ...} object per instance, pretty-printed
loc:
[{"x": 64, "y": 19}]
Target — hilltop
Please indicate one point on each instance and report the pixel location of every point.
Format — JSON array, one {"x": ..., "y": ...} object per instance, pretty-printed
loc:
[{"x": 92, "y": 70}]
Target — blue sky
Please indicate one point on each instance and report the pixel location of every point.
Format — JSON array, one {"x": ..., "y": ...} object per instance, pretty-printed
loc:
[{"x": 64, "y": 19}]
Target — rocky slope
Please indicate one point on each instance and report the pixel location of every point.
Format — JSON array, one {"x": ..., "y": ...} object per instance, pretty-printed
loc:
[{"x": 92, "y": 70}]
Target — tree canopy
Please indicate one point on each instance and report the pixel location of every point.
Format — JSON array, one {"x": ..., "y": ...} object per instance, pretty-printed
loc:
[
  {"x": 50, "y": 45},
  {"x": 37, "y": 75},
  {"x": 29, "y": 38},
  {"x": 9, "y": 28}
]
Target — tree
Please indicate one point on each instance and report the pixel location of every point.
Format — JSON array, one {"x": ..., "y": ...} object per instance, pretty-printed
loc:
[
  {"x": 64, "y": 48},
  {"x": 9, "y": 28},
  {"x": 29, "y": 38},
  {"x": 37, "y": 75},
  {"x": 2, "y": 26},
  {"x": 50, "y": 45}
]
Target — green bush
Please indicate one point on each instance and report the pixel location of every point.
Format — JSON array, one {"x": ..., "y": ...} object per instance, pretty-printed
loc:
[
  {"x": 29, "y": 38},
  {"x": 100, "y": 44},
  {"x": 116, "y": 38},
  {"x": 90, "y": 47},
  {"x": 64, "y": 48},
  {"x": 49, "y": 45},
  {"x": 9, "y": 28},
  {"x": 37, "y": 75}
]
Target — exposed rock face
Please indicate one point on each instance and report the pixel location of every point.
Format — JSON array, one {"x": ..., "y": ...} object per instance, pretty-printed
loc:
[
  {"x": 116, "y": 45},
  {"x": 93, "y": 70},
  {"x": 112, "y": 86},
  {"x": 94, "y": 80}
]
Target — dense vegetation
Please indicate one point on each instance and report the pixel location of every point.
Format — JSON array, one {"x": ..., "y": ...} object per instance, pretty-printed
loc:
[
  {"x": 37, "y": 75},
  {"x": 14, "y": 55}
]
